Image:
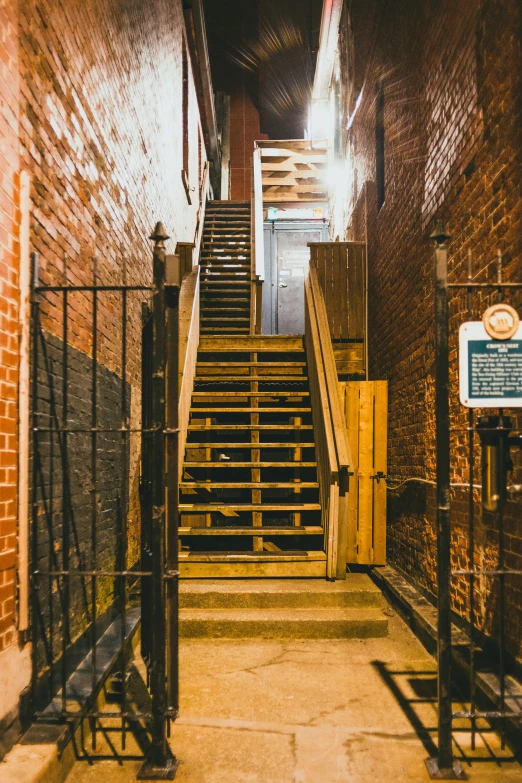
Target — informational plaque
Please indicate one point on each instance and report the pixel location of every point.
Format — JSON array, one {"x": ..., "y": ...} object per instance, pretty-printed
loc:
[{"x": 490, "y": 369}]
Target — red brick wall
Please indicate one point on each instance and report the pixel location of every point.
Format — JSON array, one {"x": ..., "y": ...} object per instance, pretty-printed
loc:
[
  {"x": 244, "y": 131},
  {"x": 102, "y": 137},
  {"x": 452, "y": 76},
  {"x": 9, "y": 225}
]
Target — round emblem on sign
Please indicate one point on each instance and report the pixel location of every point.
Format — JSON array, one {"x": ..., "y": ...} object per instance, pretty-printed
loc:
[{"x": 501, "y": 321}]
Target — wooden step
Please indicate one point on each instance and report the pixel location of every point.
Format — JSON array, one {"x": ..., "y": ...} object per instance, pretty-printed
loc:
[
  {"x": 213, "y": 484},
  {"x": 238, "y": 446},
  {"x": 253, "y": 344},
  {"x": 197, "y": 508},
  {"x": 210, "y": 319},
  {"x": 225, "y": 309},
  {"x": 235, "y": 237},
  {"x": 234, "y": 394},
  {"x": 222, "y": 300},
  {"x": 251, "y": 378},
  {"x": 205, "y": 284},
  {"x": 213, "y": 410},
  {"x": 248, "y": 427},
  {"x": 228, "y": 464},
  {"x": 305, "y": 567},
  {"x": 289, "y": 530},
  {"x": 251, "y": 364},
  {"x": 231, "y": 330}
]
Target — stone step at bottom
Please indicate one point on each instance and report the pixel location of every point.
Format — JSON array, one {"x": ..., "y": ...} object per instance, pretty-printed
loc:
[
  {"x": 356, "y": 591},
  {"x": 353, "y": 623}
]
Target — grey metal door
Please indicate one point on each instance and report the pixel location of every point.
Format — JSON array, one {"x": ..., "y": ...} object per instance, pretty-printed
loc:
[{"x": 293, "y": 257}]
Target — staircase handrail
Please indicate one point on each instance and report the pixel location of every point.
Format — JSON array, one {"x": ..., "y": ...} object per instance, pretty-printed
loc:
[
  {"x": 333, "y": 451},
  {"x": 203, "y": 198},
  {"x": 189, "y": 330},
  {"x": 257, "y": 260}
]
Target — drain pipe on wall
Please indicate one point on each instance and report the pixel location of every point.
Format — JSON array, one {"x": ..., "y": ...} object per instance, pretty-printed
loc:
[
  {"x": 23, "y": 404},
  {"x": 329, "y": 36}
]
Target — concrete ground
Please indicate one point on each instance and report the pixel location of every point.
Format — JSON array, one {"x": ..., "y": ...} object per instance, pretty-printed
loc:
[{"x": 326, "y": 711}]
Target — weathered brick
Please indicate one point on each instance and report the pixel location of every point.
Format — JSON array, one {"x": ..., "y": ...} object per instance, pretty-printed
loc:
[{"x": 452, "y": 74}]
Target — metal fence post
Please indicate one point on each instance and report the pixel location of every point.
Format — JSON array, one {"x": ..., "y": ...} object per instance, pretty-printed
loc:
[
  {"x": 443, "y": 767},
  {"x": 160, "y": 763}
]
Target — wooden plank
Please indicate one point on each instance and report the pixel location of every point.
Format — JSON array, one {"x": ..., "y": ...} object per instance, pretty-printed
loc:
[
  {"x": 301, "y": 169},
  {"x": 366, "y": 470},
  {"x": 249, "y": 557},
  {"x": 251, "y": 531},
  {"x": 306, "y": 156},
  {"x": 350, "y": 392},
  {"x": 251, "y": 364},
  {"x": 211, "y": 484},
  {"x": 272, "y": 343},
  {"x": 198, "y": 507},
  {"x": 249, "y": 410},
  {"x": 304, "y": 569},
  {"x": 338, "y": 423},
  {"x": 296, "y": 198},
  {"x": 342, "y": 330},
  {"x": 380, "y": 389},
  {"x": 349, "y": 358},
  {"x": 238, "y": 394},
  {"x": 227, "y": 464},
  {"x": 189, "y": 326},
  {"x": 245, "y": 427},
  {"x": 237, "y": 445}
]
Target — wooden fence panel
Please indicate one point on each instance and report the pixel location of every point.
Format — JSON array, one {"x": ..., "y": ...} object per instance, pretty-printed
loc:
[
  {"x": 366, "y": 411},
  {"x": 341, "y": 272}
]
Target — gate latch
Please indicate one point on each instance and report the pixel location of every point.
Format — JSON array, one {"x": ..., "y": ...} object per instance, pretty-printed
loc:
[{"x": 378, "y": 476}]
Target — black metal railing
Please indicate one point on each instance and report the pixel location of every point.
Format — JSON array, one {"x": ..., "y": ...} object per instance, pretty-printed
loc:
[
  {"x": 457, "y": 437},
  {"x": 92, "y": 575}
]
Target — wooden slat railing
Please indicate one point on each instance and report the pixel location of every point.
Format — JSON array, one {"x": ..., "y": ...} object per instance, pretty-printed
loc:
[
  {"x": 188, "y": 352},
  {"x": 333, "y": 452}
]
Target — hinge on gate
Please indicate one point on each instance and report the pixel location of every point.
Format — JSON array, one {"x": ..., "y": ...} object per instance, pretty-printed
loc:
[{"x": 378, "y": 476}]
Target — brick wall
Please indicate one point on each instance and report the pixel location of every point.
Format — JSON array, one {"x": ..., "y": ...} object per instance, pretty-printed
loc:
[
  {"x": 90, "y": 108},
  {"x": 452, "y": 77},
  {"x": 102, "y": 137}
]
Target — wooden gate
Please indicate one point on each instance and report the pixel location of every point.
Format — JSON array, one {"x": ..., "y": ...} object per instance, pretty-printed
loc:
[{"x": 365, "y": 406}]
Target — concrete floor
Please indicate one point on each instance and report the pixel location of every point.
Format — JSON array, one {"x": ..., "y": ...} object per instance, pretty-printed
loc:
[{"x": 277, "y": 711}]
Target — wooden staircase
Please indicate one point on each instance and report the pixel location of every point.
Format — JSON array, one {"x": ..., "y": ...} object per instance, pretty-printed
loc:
[
  {"x": 225, "y": 268},
  {"x": 249, "y": 496}
]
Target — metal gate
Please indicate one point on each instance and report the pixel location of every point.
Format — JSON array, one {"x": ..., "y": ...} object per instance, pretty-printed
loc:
[
  {"x": 104, "y": 549},
  {"x": 481, "y": 444}
]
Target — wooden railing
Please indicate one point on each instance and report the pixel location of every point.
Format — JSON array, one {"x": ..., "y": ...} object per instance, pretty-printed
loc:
[
  {"x": 257, "y": 260},
  {"x": 332, "y": 449},
  {"x": 188, "y": 352},
  {"x": 203, "y": 197}
]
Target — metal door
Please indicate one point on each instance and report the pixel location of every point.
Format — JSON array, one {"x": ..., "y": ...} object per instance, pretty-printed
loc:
[{"x": 287, "y": 260}]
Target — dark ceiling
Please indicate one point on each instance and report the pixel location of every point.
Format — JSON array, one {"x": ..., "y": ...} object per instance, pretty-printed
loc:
[{"x": 270, "y": 47}]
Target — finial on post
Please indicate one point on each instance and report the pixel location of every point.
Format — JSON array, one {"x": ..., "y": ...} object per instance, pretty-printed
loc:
[
  {"x": 439, "y": 233},
  {"x": 159, "y": 236}
]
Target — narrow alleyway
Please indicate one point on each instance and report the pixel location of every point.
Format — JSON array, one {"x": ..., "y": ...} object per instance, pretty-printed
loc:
[{"x": 328, "y": 711}]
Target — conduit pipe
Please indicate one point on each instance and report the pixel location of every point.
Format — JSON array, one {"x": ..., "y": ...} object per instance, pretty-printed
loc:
[
  {"x": 329, "y": 36},
  {"x": 197, "y": 38}
]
